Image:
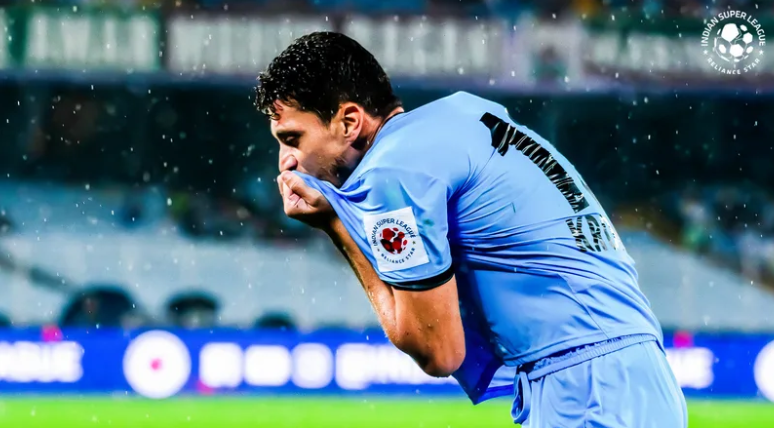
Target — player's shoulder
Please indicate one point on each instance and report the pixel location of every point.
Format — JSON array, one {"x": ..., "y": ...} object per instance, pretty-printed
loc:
[
  {"x": 439, "y": 140},
  {"x": 449, "y": 126},
  {"x": 434, "y": 132},
  {"x": 459, "y": 110}
]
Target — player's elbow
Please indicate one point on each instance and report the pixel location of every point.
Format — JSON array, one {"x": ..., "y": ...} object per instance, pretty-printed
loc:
[
  {"x": 438, "y": 358},
  {"x": 444, "y": 365}
]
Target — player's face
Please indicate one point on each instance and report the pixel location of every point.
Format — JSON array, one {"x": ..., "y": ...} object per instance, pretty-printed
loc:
[{"x": 308, "y": 145}]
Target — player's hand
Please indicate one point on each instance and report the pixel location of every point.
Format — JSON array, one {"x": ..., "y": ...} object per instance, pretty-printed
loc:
[{"x": 304, "y": 203}]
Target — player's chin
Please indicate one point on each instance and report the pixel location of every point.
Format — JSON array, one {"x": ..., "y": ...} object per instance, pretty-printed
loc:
[
  {"x": 330, "y": 178},
  {"x": 336, "y": 173}
]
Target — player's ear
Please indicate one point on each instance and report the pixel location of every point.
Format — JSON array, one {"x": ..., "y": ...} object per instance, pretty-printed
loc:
[{"x": 352, "y": 116}]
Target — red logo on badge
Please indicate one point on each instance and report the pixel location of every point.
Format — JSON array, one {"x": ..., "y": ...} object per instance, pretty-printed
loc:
[{"x": 392, "y": 240}]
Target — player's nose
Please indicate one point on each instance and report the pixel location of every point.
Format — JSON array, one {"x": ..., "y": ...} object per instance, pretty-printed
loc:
[{"x": 287, "y": 162}]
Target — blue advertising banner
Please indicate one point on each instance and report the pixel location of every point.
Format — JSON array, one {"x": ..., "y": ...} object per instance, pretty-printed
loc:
[{"x": 160, "y": 364}]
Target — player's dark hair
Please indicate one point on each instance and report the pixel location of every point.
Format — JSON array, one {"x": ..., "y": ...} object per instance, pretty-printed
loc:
[{"x": 320, "y": 71}]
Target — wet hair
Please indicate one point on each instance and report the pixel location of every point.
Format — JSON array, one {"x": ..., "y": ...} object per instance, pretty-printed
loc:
[{"x": 320, "y": 71}]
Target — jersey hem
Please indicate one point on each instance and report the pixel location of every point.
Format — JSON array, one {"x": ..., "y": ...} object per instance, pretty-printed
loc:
[
  {"x": 572, "y": 343},
  {"x": 613, "y": 344},
  {"x": 586, "y": 353}
]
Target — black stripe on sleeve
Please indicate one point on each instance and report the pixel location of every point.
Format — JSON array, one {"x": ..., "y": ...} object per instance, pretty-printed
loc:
[{"x": 425, "y": 284}]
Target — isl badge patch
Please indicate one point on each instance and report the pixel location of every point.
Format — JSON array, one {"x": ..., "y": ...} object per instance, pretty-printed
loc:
[{"x": 394, "y": 240}]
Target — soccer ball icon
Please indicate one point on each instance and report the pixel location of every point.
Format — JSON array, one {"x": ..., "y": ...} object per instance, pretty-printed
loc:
[{"x": 733, "y": 42}]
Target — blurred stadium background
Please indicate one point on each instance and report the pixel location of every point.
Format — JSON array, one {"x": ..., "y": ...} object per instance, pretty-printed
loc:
[{"x": 149, "y": 277}]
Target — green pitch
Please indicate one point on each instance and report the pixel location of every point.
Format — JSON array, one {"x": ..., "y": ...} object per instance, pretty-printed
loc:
[{"x": 33, "y": 412}]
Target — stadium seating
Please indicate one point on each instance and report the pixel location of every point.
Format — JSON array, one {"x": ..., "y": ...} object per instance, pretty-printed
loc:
[
  {"x": 72, "y": 239},
  {"x": 688, "y": 292}
]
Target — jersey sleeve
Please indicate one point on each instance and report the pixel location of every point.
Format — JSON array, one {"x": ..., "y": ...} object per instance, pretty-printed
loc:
[{"x": 398, "y": 218}]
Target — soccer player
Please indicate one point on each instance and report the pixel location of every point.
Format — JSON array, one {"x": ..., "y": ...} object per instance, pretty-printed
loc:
[{"x": 477, "y": 243}]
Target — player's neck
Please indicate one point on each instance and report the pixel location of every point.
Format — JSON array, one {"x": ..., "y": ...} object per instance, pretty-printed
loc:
[
  {"x": 379, "y": 124},
  {"x": 352, "y": 157}
]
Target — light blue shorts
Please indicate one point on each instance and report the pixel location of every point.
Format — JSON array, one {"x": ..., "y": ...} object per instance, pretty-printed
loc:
[{"x": 629, "y": 388}]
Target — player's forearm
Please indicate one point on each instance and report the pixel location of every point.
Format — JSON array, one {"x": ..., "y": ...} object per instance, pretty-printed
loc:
[
  {"x": 409, "y": 334},
  {"x": 379, "y": 293}
]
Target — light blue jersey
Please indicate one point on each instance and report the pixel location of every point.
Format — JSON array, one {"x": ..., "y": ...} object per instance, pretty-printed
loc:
[{"x": 457, "y": 188}]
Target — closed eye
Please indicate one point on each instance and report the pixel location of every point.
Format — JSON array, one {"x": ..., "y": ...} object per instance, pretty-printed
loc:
[{"x": 289, "y": 138}]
